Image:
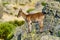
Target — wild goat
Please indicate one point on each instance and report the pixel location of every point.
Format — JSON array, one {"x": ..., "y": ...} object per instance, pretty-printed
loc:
[{"x": 39, "y": 17}]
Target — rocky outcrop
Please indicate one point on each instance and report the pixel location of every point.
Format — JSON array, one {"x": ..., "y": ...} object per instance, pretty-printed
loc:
[
  {"x": 52, "y": 18},
  {"x": 20, "y": 33}
]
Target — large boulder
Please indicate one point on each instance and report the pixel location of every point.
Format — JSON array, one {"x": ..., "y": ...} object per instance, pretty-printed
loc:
[
  {"x": 52, "y": 17},
  {"x": 52, "y": 8}
]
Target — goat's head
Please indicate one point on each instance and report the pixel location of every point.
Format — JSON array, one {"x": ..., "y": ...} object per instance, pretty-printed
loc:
[{"x": 19, "y": 13}]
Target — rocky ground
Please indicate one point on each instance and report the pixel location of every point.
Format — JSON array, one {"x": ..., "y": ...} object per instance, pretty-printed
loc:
[{"x": 21, "y": 33}]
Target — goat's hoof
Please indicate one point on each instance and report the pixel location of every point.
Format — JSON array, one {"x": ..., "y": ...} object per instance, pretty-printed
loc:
[{"x": 41, "y": 31}]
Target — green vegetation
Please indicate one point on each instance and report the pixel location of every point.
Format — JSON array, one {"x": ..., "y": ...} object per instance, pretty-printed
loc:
[
  {"x": 10, "y": 36},
  {"x": 22, "y": 4},
  {"x": 11, "y": 13},
  {"x": 58, "y": 33},
  {"x": 17, "y": 23},
  {"x": 29, "y": 10},
  {"x": 4, "y": 3},
  {"x": 6, "y": 29},
  {"x": 43, "y": 3}
]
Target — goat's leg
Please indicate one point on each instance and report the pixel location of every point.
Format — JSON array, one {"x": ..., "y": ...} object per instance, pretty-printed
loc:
[
  {"x": 29, "y": 26},
  {"x": 41, "y": 25}
]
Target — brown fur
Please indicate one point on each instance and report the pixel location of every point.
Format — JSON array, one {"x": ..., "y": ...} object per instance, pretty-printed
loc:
[{"x": 33, "y": 17}]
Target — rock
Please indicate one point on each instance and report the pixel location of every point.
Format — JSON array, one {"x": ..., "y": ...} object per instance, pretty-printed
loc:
[
  {"x": 49, "y": 37},
  {"x": 17, "y": 34},
  {"x": 52, "y": 17},
  {"x": 52, "y": 7}
]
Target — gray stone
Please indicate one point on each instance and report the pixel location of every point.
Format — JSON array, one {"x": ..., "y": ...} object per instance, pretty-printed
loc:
[{"x": 49, "y": 37}]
